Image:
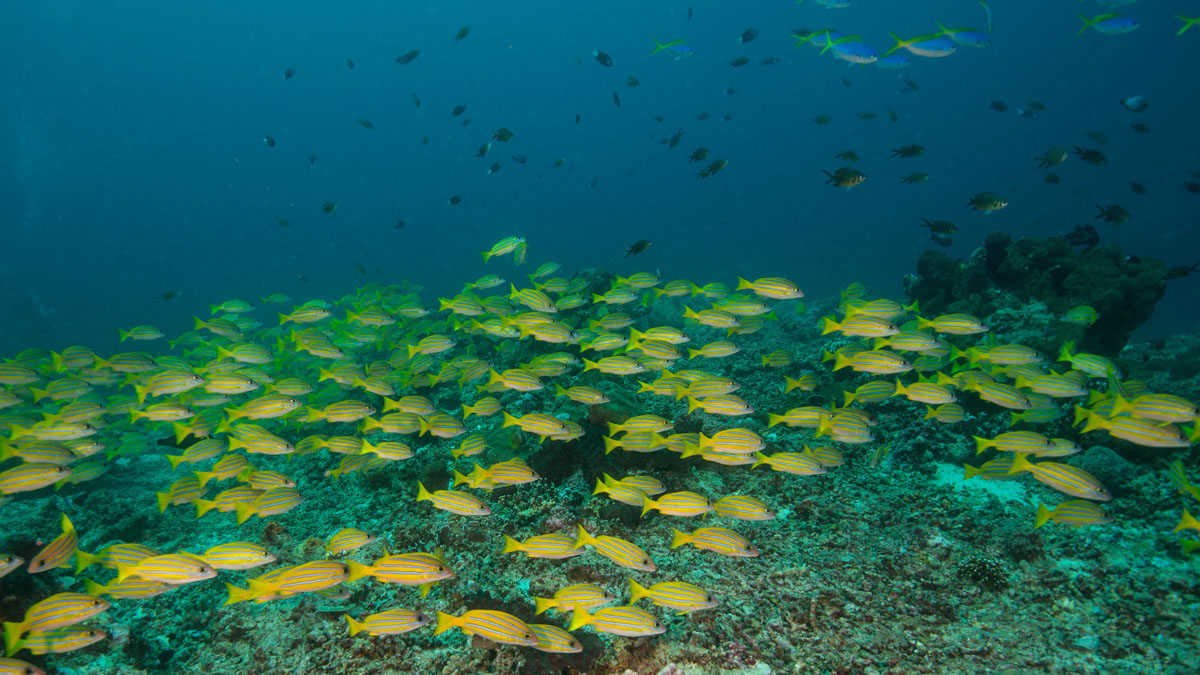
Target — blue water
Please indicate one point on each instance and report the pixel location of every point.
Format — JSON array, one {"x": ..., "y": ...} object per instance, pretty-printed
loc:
[{"x": 133, "y": 159}]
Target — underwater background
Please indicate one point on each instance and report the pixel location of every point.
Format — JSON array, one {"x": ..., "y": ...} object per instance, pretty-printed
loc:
[{"x": 318, "y": 180}]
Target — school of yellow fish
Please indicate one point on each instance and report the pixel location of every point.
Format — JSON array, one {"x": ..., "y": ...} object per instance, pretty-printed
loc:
[{"x": 243, "y": 397}]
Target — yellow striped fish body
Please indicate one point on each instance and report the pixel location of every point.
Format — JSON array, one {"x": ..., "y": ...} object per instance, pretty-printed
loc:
[
  {"x": 742, "y": 507},
  {"x": 342, "y": 445},
  {"x": 678, "y": 595},
  {"x": 198, "y": 452},
  {"x": 713, "y": 318},
  {"x": 162, "y": 412},
  {"x": 10, "y": 666},
  {"x": 536, "y": 423},
  {"x": 305, "y": 314},
  {"x": 1158, "y": 407},
  {"x": 648, "y": 484},
  {"x": 246, "y": 352},
  {"x": 9, "y": 562},
  {"x": 576, "y": 595},
  {"x": 719, "y": 539},
  {"x": 775, "y": 288},
  {"x": 133, "y": 588},
  {"x": 182, "y": 491},
  {"x": 342, "y": 411},
  {"x": 554, "y": 640},
  {"x": 620, "y": 492},
  {"x": 723, "y": 404},
  {"x": 226, "y": 467},
  {"x": 510, "y": 472},
  {"x": 37, "y": 452},
  {"x": 874, "y": 361},
  {"x": 1003, "y": 395},
  {"x": 1075, "y": 513},
  {"x": 462, "y": 503},
  {"x": 1139, "y": 431},
  {"x": 237, "y": 555},
  {"x": 622, "y": 552},
  {"x": 623, "y": 621},
  {"x": 1064, "y": 478},
  {"x": 270, "y": 503},
  {"x": 307, "y": 578},
  {"x": 603, "y": 342},
  {"x": 346, "y": 540},
  {"x": 409, "y": 569},
  {"x": 652, "y": 423},
  {"x": 555, "y": 546},
  {"x": 393, "y": 423},
  {"x": 391, "y": 622},
  {"x": 505, "y": 245},
  {"x": 112, "y": 555},
  {"x": 1053, "y": 384},
  {"x": 172, "y": 568},
  {"x": 825, "y": 455},
  {"x": 860, "y": 325},
  {"x": 167, "y": 383},
  {"x": 442, "y": 425},
  {"x": 846, "y": 427},
  {"x": 494, "y": 625},
  {"x": 615, "y": 365},
  {"x": 582, "y": 394},
  {"x": 268, "y": 406},
  {"x": 51, "y": 430},
  {"x": 57, "y": 611},
  {"x": 678, "y": 504},
  {"x": 61, "y": 640},
  {"x": 809, "y": 417},
  {"x": 58, "y": 552},
  {"x": 484, "y": 407},
  {"x": 636, "y": 441},
  {"x": 1014, "y": 441},
  {"x": 926, "y": 392},
  {"x": 954, "y": 324}
]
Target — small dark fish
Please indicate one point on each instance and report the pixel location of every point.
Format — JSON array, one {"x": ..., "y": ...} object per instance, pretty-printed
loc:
[
  {"x": 493, "y": 168},
  {"x": 366, "y": 124},
  {"x": 726, "y": 117},
  {"x": 846, "y": 177},
  {"x": 998, "y": 106},
  {"x": 559, "y": 162},
  {"x": 519, "y": 159},
  {"x": 416, "y": 101},
  {"x": 675, "y": 138},
  {"x": 712, "y": 169},
  {"x": 730, "y": 91},
  {"x": 1091, "y": 156},
  {"x": 1083, "y": 235},
  {"x": 458, "y": 109},
  {"x": 1181, "y": 271},
  {"x": 846, "y": 82},
  {"x": 602, "y": 58},
  {"x": 866, "y": 115},
  {"x": 466, "y": 121},
  {"x": 1139, "y": 127},
  {"x": 361, "y": 270},
  {"x": 689, "y": 14},
  {"x": 424, "y": 140},
  {"x": 454, "y": 200},
  {"x": 659, "y": 119},
  {"x": 769, "y": 61},
  {"x": 399, "y": 225},
  {"x": 577, "y": 118},
  {"x": 914, "y": 178},
  {"x": 349, "y": 63},
  {"x": 638, "y": 246},
  {"x": 169, "y": 295},
  {"x": 312, "y": 158},
  {"x": 503, "y": 135},
  {"x": 822, "y": 119},
  {"x": 1052, "y": 178},
  {"x": 942, "y": 240},
  {"x": 269, "y": 140},
  {"x": 1192, "y": 187},
  {"x": 594, "y": 182},
  {"x": 892, "y": 116},
  {"x": 283, "y": 222},
  {"x": 739, "y": 61},
  {"x": 1135, "y": 103},
  {"x": 747, "y": 35},
  {"x": 289, "y": 73},
  {"x": 1036, "y": 106},
  {"x": 1098, "y": 136},
  {"x": 462, "y": 33},
  {"x": 408, "y": 57},
  {"x": 483, "y": 151},
  {"x": 939, "y": 226},
  {"x": 1113, "y": 213},
  {"x": 909, "y": 84},
  {"x": 848, "y": 155},
  {"x": 698, "y": 155},
  {"x": 912, "y": 150},
  {"x": 329, "y": 208},
  {"x": 302, "y": 278},
  {"x": 1138, "y": 188},
  {"x": 632, "y": 82},
  {"x": 616, "y": 98},
  {"x": 702, "y": 116}
]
